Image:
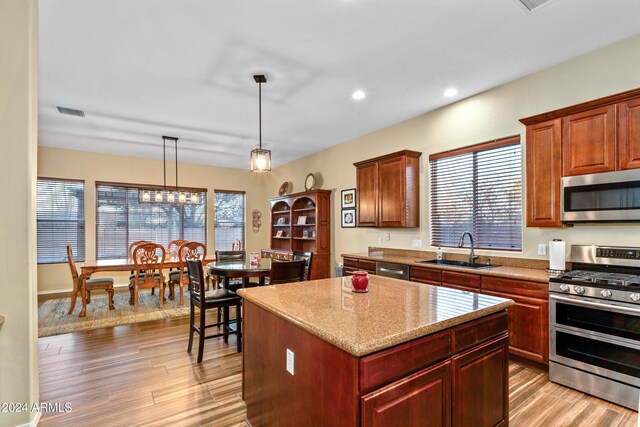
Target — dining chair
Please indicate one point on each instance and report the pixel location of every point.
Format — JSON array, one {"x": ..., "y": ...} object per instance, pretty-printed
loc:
[
  {"x": 174, "y": 246},
  {"x": 236, "y": 245},
  {"x": 287, "y": 271},
  {"x": 186, "y": 251},
  {"x": 307, "y": 256},
  {"x": 102, "y": 283},
  {"x": 216, "y": 299},
  {"x": 148, "y": 260},
  {"x": 132, "y": 246},
  {"x": 229, "y": 256}
]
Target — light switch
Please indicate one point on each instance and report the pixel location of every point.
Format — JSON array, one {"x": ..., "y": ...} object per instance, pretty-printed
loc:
[
  {"x": 417, "y": 243},
  {"x": 290, "y": 357},
  {"x": 542, "y": 249}
]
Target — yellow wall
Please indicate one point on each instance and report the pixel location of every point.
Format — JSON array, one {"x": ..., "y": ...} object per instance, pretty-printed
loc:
[
  {"x": 92, "y": 167},
  {"x": 18, "y": 145},
  {"x": 487, "y": 116}
]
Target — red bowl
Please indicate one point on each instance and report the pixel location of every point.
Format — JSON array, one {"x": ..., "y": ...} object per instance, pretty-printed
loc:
[{"x": 360, "y": 281}]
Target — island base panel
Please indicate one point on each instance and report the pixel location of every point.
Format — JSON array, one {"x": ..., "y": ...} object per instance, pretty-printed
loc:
[{"x": 323, "y": 389}]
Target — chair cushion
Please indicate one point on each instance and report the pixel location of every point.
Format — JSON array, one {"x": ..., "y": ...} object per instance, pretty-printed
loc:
[
  {"x": 131, "y": 277},
  {"x": 218, "y": 295},
  {"x": 102, "y": 281},
  {"x": 155, "y": 279},
  {"x": 176, "y": 273}
]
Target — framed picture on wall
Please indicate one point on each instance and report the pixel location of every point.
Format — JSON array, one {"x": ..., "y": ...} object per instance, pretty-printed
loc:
[
  {"x": 348, "y": 218},
  {"x": 348, "y": 198}
]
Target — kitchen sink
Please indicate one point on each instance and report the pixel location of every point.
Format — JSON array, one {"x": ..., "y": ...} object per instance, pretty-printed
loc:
[{"x": 455, "y": 263}]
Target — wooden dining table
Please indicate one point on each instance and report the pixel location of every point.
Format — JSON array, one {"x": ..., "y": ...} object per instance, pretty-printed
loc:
[
  {"x": 103, "y": 265},
  {"x": 244, "y": 270}
]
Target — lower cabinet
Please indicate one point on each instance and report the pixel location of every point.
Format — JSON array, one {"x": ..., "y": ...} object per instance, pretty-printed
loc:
[
  {"x": 421, "y": 400},
  {"x": 485, "y": 367},
  {"x": 354, "y": 264}
]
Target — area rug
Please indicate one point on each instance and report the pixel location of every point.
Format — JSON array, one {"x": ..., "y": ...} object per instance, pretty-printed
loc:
[{"x": 54, "y": 320}]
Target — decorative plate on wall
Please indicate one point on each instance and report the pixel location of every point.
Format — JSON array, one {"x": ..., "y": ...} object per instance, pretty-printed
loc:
[
  {"x": 310, "y": 182},
  {"x": 283, "y": 188}
]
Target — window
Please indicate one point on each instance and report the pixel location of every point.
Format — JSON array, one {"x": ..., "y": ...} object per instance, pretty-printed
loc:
[
  {"x": 228, "y": 218},
  {"x": 60, "y": 219},
  {"x": 122, "y": 219},
  {"x": 478, "y": 189}
]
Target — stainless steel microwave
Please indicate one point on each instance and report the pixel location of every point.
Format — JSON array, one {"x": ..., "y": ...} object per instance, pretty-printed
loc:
[{"x": 601, "y": 197}]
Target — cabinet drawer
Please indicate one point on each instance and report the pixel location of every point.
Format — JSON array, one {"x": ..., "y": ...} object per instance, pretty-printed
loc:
[
  {"x": 350, "y": 262},
  {"x": 426, "y": 275},
  {"x": 515, "y": 287},
  {"x": 423, "y": 396},
  {"x": 389, "y": 365},
  {"x": 348, "y": 271},
  {"x": 461, "y": 279},
  {"x": 468, "y": 335},
  {"x": 365, "y": 264}
]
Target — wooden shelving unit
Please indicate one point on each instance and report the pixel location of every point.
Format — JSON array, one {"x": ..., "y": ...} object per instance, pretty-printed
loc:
[{"x": 313, "y": 235}]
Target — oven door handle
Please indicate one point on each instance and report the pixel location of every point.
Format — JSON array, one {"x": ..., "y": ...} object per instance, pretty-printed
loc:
[{"x": 608, "y": 307}]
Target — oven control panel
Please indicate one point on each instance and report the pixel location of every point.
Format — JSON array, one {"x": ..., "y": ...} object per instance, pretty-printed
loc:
[{"x": 620, "y": 253}]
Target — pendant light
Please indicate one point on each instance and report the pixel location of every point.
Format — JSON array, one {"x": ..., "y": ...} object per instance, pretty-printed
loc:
[{"x": 260, "y": 159}]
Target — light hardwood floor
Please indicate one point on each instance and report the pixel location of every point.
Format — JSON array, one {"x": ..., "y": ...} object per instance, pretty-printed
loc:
[{"x": 142, "y": 375}]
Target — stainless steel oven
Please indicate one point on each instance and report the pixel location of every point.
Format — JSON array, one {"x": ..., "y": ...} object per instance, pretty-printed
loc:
[
  {"x": 601, "y": 197},
  {"x": 594, "y": 325}
]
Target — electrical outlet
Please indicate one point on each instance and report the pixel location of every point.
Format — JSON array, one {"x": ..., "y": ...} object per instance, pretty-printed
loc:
[
  {"x": 417, "y": 243},
  {"x": 542, "y": 249},
  {"x": 379, "y": 240},
  {"x": 290, "y": 357},
  {"x": 387, "y": 236}
]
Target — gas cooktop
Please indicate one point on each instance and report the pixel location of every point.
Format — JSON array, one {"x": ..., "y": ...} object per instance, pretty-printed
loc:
[{"x": 601, "y": 278}]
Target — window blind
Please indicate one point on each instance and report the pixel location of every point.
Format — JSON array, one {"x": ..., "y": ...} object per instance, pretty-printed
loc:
[
  {"x": 479, "y": 190},
  {"x": 122, "y": 219},
  {"x": 60, "y": 220},
  {"x": 228, "y": 219}
]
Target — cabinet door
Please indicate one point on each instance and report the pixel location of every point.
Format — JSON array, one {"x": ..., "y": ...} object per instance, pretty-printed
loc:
[
  {"x": 544, "y": 168},
  {"x": 589, "y": 141},
  {"x": 391, "y": 184},
  {"x": 629, "y": 135},
  {"x": 421, "y": 400},
  {"x": 474, "y": 372},
  {"x": 528, "y": 327},
  {"x": 367, "y": 195}
]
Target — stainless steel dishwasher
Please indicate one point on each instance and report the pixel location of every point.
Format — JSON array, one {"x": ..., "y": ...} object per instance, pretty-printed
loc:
[{"x": 389, "y": 269}]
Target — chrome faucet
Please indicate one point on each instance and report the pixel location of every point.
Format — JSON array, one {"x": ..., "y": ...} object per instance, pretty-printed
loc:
[{"x": 472, "y": 255}]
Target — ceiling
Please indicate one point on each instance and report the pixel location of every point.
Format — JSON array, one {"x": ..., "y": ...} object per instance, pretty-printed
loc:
[{"x": 145, "y": 68}]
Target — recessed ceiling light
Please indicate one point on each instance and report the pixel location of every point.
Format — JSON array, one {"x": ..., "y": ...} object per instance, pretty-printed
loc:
[
  {"x": 452, "y": 91},
  {"x": 358, "y": 95}
]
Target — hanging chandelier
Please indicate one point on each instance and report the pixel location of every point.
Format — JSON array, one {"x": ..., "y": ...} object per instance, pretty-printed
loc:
[
  {"x": 158, "y": 197},
  {"x": 260, "y": 159}
]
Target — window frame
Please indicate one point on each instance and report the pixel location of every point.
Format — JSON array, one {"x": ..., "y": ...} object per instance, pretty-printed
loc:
[
  {"x": 128, "y": 185},
  {"x": 244, "y": 214},
  {"x": 475, "y": 148},
  {"x": 76, "y": 255}
]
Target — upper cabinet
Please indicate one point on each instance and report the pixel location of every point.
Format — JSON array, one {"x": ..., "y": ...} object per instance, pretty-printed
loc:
[
  {"x": 629, "y": 135},
  {"x": 388, "y": 190},
  {"x": 602, "y": 135},
  {"x": 589, "y": 141},
  {"x": 544, "y": 167}
]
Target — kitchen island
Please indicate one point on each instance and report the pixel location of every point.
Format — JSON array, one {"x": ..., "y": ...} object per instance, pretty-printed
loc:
[{"x": 404, "y": 353}]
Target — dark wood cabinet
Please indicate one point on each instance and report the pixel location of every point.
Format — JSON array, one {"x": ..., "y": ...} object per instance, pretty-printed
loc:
[
  {"x": 406, "y": 402},
  {"x": 601, "y": 135},
  {"x": 388, "y": 190},
  {"x": 629, "y": 135},
  {"x": 462, "y": 281},
  {"x": 528, "y": 318},
  {"x": 589, "y": 141},
  {"x": 367, "y": 195},
  {"x": 487, "y": 365},
  {"x": 302, "y": 222},
  {"x": 353, "y": 264},
  {"x": 544, "y": 169}
]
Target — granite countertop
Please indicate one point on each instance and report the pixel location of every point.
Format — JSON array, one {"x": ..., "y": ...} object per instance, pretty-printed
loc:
[
  {"x": 519, "y": 273},
  {"x": 392, "y": 312}
]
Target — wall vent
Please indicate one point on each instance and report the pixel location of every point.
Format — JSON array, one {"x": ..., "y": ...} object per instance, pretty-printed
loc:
[
  {"x": 70, "y": 111},
  {"x": 533, "y": 4}
]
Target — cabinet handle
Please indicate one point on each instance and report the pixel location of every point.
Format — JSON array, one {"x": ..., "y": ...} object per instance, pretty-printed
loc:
[{"x": 386, "y": 270}]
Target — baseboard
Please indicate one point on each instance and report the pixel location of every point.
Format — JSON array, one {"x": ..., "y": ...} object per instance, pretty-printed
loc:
[{"x": 35, "y": 421}]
